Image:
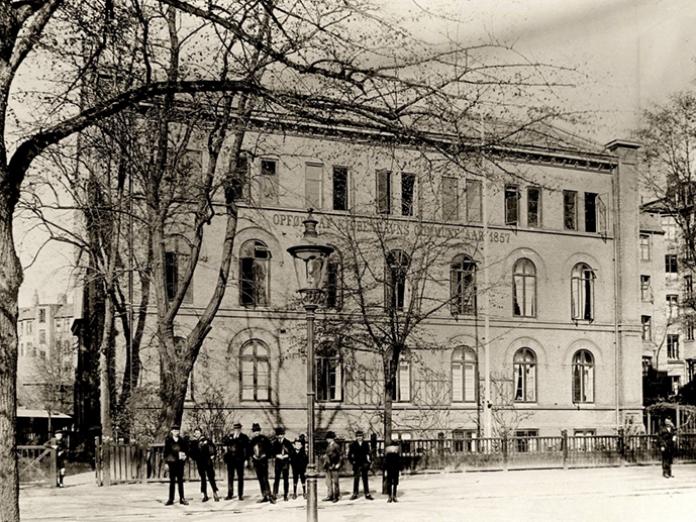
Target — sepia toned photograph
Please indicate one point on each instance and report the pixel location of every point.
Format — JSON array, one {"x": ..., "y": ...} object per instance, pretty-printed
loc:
[{"x": 347, "y": 260}]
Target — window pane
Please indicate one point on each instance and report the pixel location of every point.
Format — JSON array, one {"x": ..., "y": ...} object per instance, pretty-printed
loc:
[
  {"x": 340, "y": 188},
  {"x": 457, "y": 382},
  {"x": 519, "y": 382},
  {"x": 404, "y": 382},
  {"x": 469, "y": 382},
  {"x": 313, "y": 185},
  {"x": 268, "y": 182},
  {"x": 247, "y": 286},
  {"x": 408, "y": 183},
  {"x": 449, "y": 196},
  {"x": 531, "y": 382},
  {"x": 589, "y": 383},
  {"x": 530, "y": 296},
  {"x": 262, "y": 380},
  {"x": 247, "y": 380},
  {"x": 171, "y": 273},
  {"x": 474, "y": 213}
]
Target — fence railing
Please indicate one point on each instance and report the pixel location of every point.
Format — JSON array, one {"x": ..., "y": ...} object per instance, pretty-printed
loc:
[
  {"x": 124, "y": 463},
  {"x": 37, "y": 464}
]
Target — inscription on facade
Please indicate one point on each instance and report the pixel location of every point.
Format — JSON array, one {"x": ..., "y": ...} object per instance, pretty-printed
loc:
[{"x": 400, "y": 228}]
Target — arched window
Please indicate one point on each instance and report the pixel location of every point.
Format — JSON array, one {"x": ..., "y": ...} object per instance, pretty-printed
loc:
[
  {"x": 254, "y": 274},
  {"x": 395, "y": 290},
  {"x": 583, "y": 376},
  {"x": 582, "y": 292},
  {"x": 329, "y": 373},
  {"x": 463, "y": 285},
  {"x": 524, "y": 288},
  {"x": 255, "y": 371},
  {"x": 524, "y": 375},
  {"x": 464, "y": 375},
  {"x": 333, "y": 281}
]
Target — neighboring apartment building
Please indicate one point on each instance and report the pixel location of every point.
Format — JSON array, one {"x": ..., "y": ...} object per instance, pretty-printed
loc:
[
  {"x": 45, "y": 366},
  {"x": 543, "y": 283},
  {"x": 667, "y": 291}
]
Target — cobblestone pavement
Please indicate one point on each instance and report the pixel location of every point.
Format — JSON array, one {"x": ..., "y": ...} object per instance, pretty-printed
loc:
[{"x": 602, "y": 494}]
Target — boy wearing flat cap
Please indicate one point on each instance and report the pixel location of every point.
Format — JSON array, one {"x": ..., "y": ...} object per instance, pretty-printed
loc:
[
  {"x": 332, "y": 465},
  {"x": 260, "y": 451},
  {"x": 360, "y": 457}
]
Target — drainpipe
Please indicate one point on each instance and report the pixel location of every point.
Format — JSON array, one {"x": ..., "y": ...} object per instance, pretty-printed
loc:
[{"x": 617, "y": 290}]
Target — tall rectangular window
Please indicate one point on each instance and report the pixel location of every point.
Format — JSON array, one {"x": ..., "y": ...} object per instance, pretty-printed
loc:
[
  {"x": 570, "y": 210},
  {"x": 645, "y": 289},
  {"x": 672, "y": 346},
  {"x": 42, "y": 315},
  {"x": 673, "y": 305},
  {"x": 340, "y": 188},
  {"x": 689, "y": 328},
  {"x": 646, "y": 323},
  {"x": 590, "y": 212},
  {"x": 174, "y": 265},
  {"x": 512, "y": 205},
  {"x": 645, "y": 253},
  {"x": 688, "y": 286},
  {"x": 268, "y": 182},
  {"x": 533, "y": 206},
  {"x": 474, "y": 210},
  {"x": 449, "y": 197},
  {"x": 313, "y": 185},
  {"x": 408, "y": 185},
  {"x": 671, "y": 266},
  {"x": 384, "y": 192},
  {"x": 403, "y": 382},
  {"x": 42, "y": 336}
]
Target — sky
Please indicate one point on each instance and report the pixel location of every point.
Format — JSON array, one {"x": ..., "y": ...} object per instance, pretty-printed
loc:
[{"x": 628, "y": 54}]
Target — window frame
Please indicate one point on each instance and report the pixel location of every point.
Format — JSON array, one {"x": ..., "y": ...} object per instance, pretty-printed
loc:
[
  {"x": 512, "y": 194},
  {"x": 645, "y": 288},
  {"x": 336, "y": 169},
  {"x": 566, "y": 214},
  {"x": 323, "y": 357},
  {"x": 474, "y": 200},
  {"x": 308, "y": 185},
  {"x": 524, "y": 276},
  {"x": 458, "y": 275},
  {"x": 519, "y": 361},
  {"x": 645, "y": 247},
  {"x": 582, "y": 286},
  {"x": 243, "y": 282},
  {"x": 582, "y": 365},
  {"x": 459, "y": 357},
  {"x": 409, "y": 209},
  {"x": 591, "y": 211},
  {"x": 391, "y": 292},
  {"x": 256, "y": 360},
  {"x": 672, "y": 346},
  {"x": 404, "y": 363},
  {"x": 646, "y": 327},
  {"x": 671, "y": 264},
  {"x": 538, "y": 222},
  {"x": 384, "y": 202},
  {"x": 449, "y": 199}
]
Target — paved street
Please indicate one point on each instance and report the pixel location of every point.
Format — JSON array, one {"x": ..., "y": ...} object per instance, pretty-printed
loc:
[{"x": 607, "y": 494}]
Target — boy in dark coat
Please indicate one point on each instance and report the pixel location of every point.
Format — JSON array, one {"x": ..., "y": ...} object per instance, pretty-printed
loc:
[
  {"x": 236, "y": 455},
  {"x": 360, "y": 457},
  {"x": 392, "y": 466},
  {"x": 299, "y": 461},
  {"x": 667, "y": 438},
  {"x": 260, "y": 450},
  {"x": 332, "y": 465},
  {"x": 175, "y": 454},
  {"x": 282, "y": 451},
  {"x": 202, "y": 451},
  {"x": 57, "y": 443}
]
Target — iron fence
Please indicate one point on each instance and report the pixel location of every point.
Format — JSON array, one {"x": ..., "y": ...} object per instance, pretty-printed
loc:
[{"x": 124, "y": 463}]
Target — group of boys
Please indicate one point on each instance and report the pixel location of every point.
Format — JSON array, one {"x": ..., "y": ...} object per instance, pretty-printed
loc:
[{"x": 240, "y": 449}]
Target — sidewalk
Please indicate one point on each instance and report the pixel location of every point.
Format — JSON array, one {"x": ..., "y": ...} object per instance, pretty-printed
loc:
[{"x": 600, "y": 494}]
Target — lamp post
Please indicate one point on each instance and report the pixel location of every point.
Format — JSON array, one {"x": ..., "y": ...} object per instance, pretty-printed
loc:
[{"x": 309, "y": 257}]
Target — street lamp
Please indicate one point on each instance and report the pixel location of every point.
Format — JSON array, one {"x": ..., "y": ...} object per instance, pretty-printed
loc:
[{"x": 309, "y": 257}]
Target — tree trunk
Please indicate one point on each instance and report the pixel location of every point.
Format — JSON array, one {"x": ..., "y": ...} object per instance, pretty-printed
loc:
[
  {"x": 173, "y": 385},
  {"x": 10, "y": 281},
  {"x": 106, "y": 372}
]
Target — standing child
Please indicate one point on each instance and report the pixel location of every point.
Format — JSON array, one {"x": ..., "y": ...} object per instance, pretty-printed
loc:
[
  {"x": 299, "y": 461},
  {"x": 392, "y": 467}
]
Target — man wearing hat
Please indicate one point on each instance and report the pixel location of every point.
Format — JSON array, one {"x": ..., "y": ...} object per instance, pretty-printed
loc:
[
  {"x": 282, "y": 450},
  {"x": 360, "y": 457},
  {"x": 202, "y": 451},
  {"x": 236, "y": 454},
  {"x": 260, "y": 448},
  {"x": 332, "y": 464},
  {"x": 175, "y": 453}
]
